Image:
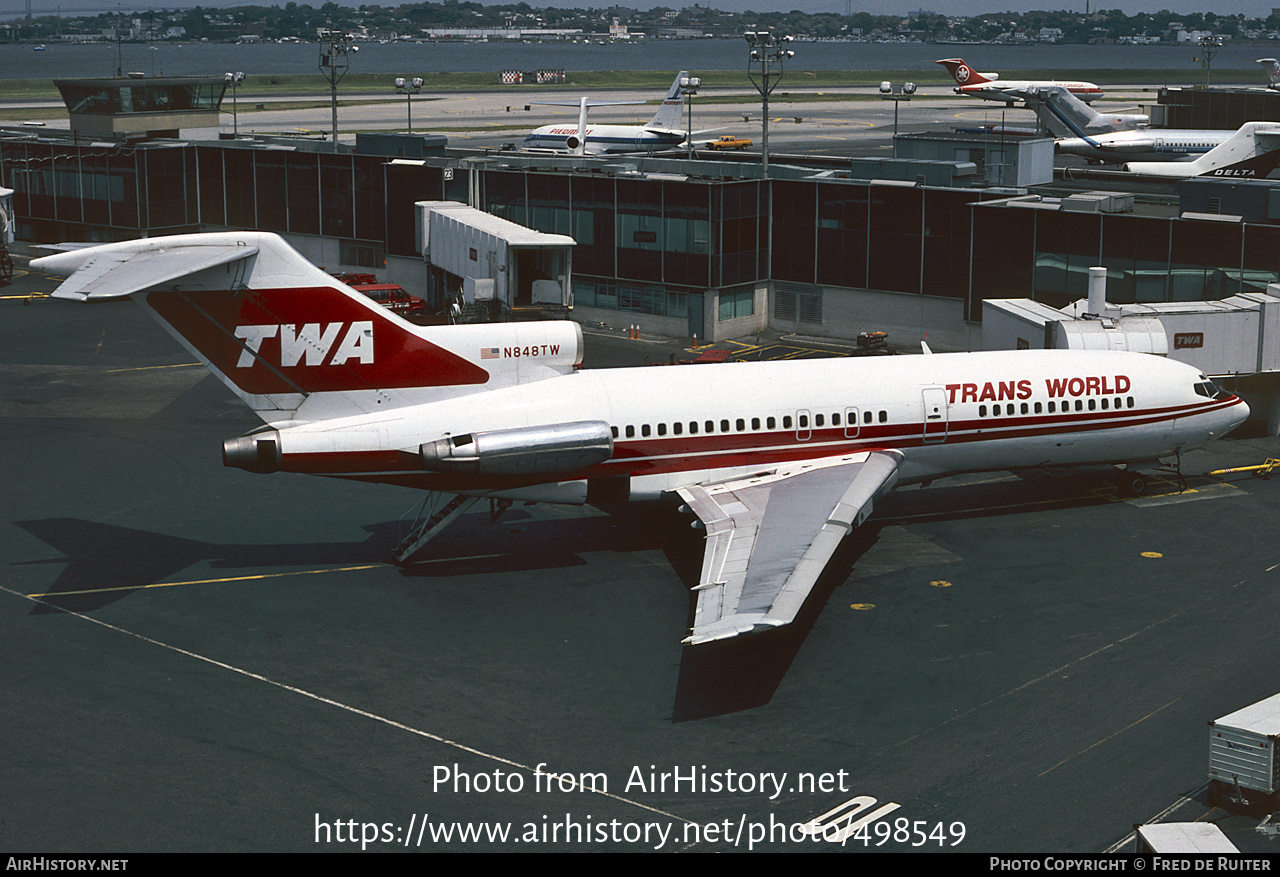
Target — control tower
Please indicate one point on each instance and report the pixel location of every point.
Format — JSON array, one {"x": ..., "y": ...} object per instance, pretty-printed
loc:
[{"x": 136, "y": 106}]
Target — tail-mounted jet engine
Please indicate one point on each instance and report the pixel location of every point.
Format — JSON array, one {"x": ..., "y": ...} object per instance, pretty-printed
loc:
[{"x": 529, "y": 450}]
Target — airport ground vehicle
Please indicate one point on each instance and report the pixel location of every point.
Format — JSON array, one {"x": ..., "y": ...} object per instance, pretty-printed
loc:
[
  {"x": 1244, "y": 753},
  {"x": 728, "y": 141},
  {"x": 393, "y": 297}
]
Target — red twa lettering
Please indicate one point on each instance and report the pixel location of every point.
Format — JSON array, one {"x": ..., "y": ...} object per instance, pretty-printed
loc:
[{"x": 1101, "y": 385}]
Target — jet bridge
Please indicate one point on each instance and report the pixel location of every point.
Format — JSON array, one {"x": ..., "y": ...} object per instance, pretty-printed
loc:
[
  {"x": 1235, "y": 340},
  {"x": 485, "y": 258}
]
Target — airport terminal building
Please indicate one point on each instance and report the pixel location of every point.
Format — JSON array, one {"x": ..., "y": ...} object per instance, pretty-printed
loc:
[{"x": 678, "y": 247}]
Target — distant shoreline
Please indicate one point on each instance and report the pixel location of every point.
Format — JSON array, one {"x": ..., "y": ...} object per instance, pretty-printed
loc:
[{"x": 266, "y": 84}]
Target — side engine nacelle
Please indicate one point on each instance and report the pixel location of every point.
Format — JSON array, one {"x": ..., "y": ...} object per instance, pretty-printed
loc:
[{"x": 529, "y": 450}]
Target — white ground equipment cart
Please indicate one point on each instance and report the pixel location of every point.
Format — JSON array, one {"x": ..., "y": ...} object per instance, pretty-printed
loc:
[
  {"x": 1244, "y": 754},
  {"x": 1181, "y": 837}
]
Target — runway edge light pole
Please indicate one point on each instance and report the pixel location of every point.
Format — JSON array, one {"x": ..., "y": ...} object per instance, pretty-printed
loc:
[{"x": 767, "y": 53}]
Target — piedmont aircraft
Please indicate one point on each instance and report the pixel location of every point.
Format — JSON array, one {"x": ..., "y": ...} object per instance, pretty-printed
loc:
[
  {"x": 779, "y": 460},
  {"x": 1079, "y": 129},
  {"x": 988, "y": 86},
  {"x": 663, "y": 131}
]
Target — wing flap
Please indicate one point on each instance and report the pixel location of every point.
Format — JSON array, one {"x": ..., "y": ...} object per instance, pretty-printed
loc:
[
  {"x": 770, "y": 535},
  {"x": 108, "y": 275}
]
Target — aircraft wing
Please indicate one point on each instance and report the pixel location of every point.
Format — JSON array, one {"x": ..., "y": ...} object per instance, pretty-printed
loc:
[
  {"x": 770, "y": 535},
  {"x": 119, "y": 274}
]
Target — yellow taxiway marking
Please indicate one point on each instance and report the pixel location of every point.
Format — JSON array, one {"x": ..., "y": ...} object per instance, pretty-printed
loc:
[
  {"x": 256, "y": 577},
  {"x": 143, "y": 368},
  {"x": 1212, "y": 491},
  {"x": 1105, "y": 739},
  {"x": 270, "y": 575}
]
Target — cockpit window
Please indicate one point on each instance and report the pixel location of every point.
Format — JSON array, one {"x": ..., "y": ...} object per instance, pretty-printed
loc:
[{"x": 1209, "y": 389}]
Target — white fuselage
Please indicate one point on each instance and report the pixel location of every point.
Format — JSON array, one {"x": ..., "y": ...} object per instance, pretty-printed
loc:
[
  {"x": 673, "y": 426},
  {"x": 996, "y": 89},
  {"x": 1147, "y": 144},
  {"x": 601, "y": 139}
]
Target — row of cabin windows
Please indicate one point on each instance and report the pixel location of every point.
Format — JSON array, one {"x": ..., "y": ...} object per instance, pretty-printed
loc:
[
  {"x": 801, "y": 421},
  {"x": 1037, "y": 408}
]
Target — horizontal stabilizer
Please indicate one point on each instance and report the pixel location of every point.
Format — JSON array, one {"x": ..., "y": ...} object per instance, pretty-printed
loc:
[
  {"x": 117, "y": 274},
  {"x": 589, "y": 103}
]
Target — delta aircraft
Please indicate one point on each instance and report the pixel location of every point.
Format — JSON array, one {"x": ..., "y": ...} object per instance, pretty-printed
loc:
[
  {"x": 778, "y": 460},
  {"x": 1251, "y": 152},
  {"x": 663, "y": 131},
  {"x": 1079, "y": 129},
  {"x": 989, "y": 86}
]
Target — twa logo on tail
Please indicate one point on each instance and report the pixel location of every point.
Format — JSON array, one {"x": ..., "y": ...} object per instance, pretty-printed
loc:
[
  {"x": 309, "y": 343},
  {"x": 308, "y": 340}
]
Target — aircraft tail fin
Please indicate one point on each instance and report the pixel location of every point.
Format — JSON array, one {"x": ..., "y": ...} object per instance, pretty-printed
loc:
[
  {"x": 578, "y": 145},
  {"x": 668, "y": 116},
  {"x": 1273, "y": 70},
  {"x": 1062, "y": 114},
  {"x": 1066, "y": 115},
  {"x": 963, "y": 74},
  {"x": 295, "y": 343}
]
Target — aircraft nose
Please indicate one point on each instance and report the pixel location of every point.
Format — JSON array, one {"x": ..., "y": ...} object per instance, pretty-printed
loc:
[
  {"x": 1242, "y": 414},
  {"x": 1238, "y": 414}
]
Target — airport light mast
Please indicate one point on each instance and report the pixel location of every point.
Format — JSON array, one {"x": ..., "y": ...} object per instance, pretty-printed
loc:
[
  {"x": 233, "y": 81},
  {"x": 689, "y": 86},
  {"x": 408, "y": 87},
  {"x": 1209, "y": 46},
  {"x": 335, "y": 46},
  {"x": 768, "y": 53},
  {"x": 897, "y": 94}
]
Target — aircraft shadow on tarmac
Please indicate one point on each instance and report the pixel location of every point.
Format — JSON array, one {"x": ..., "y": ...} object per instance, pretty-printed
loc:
[{"x": 104, "y": 563}]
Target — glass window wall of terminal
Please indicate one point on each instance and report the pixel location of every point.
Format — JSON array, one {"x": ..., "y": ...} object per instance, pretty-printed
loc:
[
  {"x": 650, "y": 232},
  {"x": 123, "y": 191},
  {"x": 864, "y": 236},
  {"x": 1148, "y": 259}
]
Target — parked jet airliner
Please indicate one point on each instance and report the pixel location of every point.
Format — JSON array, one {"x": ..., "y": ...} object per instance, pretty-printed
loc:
[
  {"x": 1251, "y": 152},
  {"x": 1079, "y": 129},
  {"x": 664, "y": 130},
  {"x": 989, "y": 86},
  {"x": 779, "y": 460}
]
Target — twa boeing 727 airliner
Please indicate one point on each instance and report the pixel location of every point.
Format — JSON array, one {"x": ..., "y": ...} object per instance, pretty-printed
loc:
[{"x": 780, "y": 460}]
